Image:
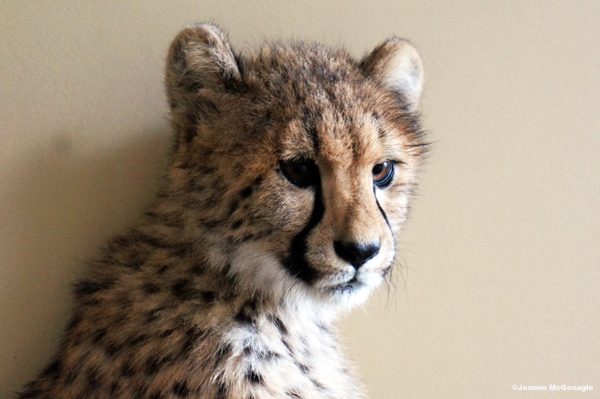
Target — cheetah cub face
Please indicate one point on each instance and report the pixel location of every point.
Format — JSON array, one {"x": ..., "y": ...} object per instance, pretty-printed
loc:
[{"x": 297, "y": 160}]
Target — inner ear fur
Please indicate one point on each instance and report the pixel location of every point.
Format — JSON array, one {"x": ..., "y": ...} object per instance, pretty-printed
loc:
[{"x": 396, "y": 65}]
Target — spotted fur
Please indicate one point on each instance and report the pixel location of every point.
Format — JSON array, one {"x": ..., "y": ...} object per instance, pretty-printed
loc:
[{"x": 230, "y": 284}]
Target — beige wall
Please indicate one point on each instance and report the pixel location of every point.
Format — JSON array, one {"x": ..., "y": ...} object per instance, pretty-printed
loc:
[{"x": 502, "y": 254}]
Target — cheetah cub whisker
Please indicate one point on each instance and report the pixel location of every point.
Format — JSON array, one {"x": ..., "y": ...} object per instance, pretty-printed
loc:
[{"x": 289, "y": 180}]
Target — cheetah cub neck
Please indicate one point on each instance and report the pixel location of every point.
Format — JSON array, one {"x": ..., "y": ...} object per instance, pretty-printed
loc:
[{"x": 291, "y": 173}]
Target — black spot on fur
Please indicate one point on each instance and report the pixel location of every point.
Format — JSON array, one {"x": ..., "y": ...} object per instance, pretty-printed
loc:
[
  {"x": 192, "y": 335},
  {"x": 31, "y": 393},
  {"x": 208, "y": 296},
  {"x": 99, "y": 335},
  {"x": 221, "y": 391},
  {"x": 317, "y": 384},
  {"x": 88, "y": 287},
  {"x": 246, "y": 192},
  {"x": 153, "y": 365},
  {"x": 197, "y": 270},
  {"x": 137, "y": 339},
  {"x": 279, "y": 324},
  {"x": 310, "y": 125},
  {"x": 288, "y": 347},
  {"x": 232, "y": 208},
  {"x": 112, "y": 349},
  {"x": 268, "y": 355},
  {"x": 210, "y": 223},
  {"x": 167, "y": 332},
  {"x": 74, "y": 322},
  {"x": 162, "y": 269},
  {"x": 190, "y": 133},
  {"x": 303, "y": 368},
  {"x": 53, "y": 369},
  {"x": 293, "y": 394},
  {"x": 236, "y": 224},
  {"x": 222, "y": 352},
  {"x": 150, "y": 289},
  {"x": 183, "y": 290},
  {"x": 72, "y": 376},
  {"x": 93, "y": 380},
  {"x": 254, "y": 377},
  {"x": 181, "y": 389},
  {"x": 247, "y": 237},
  {"x": 127, "y": 369},
  {"x": 247, "y": 312}
]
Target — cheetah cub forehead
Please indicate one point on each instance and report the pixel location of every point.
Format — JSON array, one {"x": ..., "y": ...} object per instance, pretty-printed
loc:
[{"x": 295, "y": 160}]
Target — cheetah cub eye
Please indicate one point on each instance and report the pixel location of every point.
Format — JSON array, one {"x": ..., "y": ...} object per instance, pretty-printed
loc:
[
  {"x": 383, "y": 174},
  {"x": 300, "y": 172}
]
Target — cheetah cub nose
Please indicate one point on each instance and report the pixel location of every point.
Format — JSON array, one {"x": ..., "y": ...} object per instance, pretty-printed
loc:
[{"x": 357, "y": 254}]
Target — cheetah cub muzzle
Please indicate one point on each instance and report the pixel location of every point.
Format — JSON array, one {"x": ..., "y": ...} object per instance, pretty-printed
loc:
[{"x": 290, "y": 177}]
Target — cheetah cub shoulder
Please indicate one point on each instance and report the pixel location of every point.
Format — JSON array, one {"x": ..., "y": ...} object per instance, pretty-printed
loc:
[{"x": 289, "y": 180}]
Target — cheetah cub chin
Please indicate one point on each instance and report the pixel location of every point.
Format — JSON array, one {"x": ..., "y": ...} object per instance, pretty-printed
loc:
[{"x": 290, "y": 178}]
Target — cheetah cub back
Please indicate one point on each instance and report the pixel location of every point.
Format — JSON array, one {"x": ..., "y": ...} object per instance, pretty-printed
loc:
[{"x": 290, "y": 178}]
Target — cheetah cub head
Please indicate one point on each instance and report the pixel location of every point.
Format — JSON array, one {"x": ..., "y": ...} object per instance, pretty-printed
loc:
[{"x": 295, "y": 162}]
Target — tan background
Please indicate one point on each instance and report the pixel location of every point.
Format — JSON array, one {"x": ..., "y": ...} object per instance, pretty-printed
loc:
[{"x": 502, "y": 254}]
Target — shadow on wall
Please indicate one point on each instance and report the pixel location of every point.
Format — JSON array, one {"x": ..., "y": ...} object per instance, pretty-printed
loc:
[{"x": 63, "y": 207}]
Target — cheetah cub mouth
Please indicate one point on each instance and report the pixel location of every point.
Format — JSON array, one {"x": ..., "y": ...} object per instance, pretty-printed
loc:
[{"x": 298, "y": 160}]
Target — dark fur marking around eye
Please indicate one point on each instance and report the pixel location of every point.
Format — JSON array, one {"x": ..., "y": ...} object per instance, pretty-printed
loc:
[
  {"x": 296, "y": 262},
  {"x": 381, "y": 209}
]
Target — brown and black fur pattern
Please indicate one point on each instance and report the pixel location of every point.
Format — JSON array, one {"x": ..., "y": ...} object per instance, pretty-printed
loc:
[{"x": 229, "y": 285}]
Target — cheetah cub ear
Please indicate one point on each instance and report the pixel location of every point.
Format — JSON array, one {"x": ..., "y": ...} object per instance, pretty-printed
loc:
[
  {"x": 396, "y": 65},
  {"x": 201, "y": 67},
  {"x": 200, "y": 57}
]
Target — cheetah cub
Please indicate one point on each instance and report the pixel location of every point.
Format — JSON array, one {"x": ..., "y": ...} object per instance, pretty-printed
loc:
[{"x": 289, "y": 180}]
